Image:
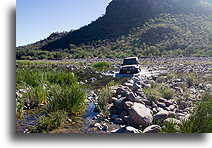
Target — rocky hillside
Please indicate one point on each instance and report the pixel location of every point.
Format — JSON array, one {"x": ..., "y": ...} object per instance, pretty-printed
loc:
[{"x": 168, "y": 25}]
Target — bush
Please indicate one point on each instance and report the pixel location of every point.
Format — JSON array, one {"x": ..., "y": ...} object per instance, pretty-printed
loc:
[
  {"x": 167, "y": 92},
  {"x": 152, "y": 93},
  {"x": 200, "y": 119},
  {"x": 101, "y": 65},
  {"x": 157, "y": 91},
  {"x": 190, "y": 81},
  {"x": 50, "y": 121},
  {"x": 104, "y": 98},
  {"x": 70, "y": 99}
]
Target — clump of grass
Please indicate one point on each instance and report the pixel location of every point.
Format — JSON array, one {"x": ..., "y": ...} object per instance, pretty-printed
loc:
[
  {"x": 34, "y": 78},
  {"x": 190, "y": 81},
  {"x": 62, "y": 78},
  {"x": 167, "y": 92},
  {"x": 71, "y": 99},
  {"x": 170, "y": 76},
  {"x": 152, "y": 93},
  {"x": 101, "y": 65},
  {"x": 59, "y": 90},
  {"x": 200, "y": 119},
  {"x": 41, "y": 95},
  {"x": 50, "y": 121},
  {"x": 170, "y": 128},
  {"x": 157, "y": 91},
  {"x": 105, "y": 97},
  {"x": 19, "y": 106}
]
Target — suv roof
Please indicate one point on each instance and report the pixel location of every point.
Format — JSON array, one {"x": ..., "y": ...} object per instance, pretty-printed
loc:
[
  {"x": 132, "y": 58},
  {"x": 130, "y": 61}
]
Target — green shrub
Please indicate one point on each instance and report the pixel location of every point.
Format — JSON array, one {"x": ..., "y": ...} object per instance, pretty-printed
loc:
[
  {"x": 61, "y": 78},
  {"x": 190, "y": 81},
  {"x": 41, "y": 94},
  {"x": 101, "y": 65},
  {"x": 170, "y": 128},
  {"x": 70, "y": 99},
  {"x": 105, "y": 97},
  {"x": 50, "y": 121},
  {"x": 166, "y": 92},
  {"x": 61, "y": 89},
  {"x": 200, "y": 119},
  {"x": 152, "y": 93},
  {"x": 157, "y": 91}
]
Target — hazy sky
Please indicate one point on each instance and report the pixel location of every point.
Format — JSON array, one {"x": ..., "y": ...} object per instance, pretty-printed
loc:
[{"x": 37, "y": 19}]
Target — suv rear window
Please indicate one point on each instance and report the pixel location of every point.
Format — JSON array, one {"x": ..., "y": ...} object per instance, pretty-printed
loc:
[{"x": 130, "y": 61}]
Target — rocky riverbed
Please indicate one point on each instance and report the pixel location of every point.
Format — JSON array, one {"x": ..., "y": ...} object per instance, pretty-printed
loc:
[{"x": 133, "y": 109}]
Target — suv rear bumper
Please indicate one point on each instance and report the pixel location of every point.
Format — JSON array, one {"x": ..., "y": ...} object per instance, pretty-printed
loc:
[{"x": 129, "y": 71}]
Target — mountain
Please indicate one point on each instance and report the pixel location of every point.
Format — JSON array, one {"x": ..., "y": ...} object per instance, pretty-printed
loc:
[{"x": 144, "y": 27}]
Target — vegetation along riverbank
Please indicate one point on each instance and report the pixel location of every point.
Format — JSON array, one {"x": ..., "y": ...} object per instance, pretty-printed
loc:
[{"x": 76, "y": 96}]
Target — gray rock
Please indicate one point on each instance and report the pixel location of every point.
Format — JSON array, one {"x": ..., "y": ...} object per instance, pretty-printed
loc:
[
  {"x": 98, "y": 125},
  {"x": 178, "y": 89},
  {"x": 120, "y": 130},
  {"x": 172, "y": 107},
  {"x": 166, "y": 108},
  {"x": 147, "y": 85},
  {"x": 161, "y": 115},
  {"x": 119, "y": 121},
  {"x": 104, "y": 127},
  {"x": 181, "y": 107},
  {"x": 130, "y": 85},
  {"x": 70, "y": 120},
  {"x": 162, "y": 99},
  {"x": 132, "y": 97},
  {"x": 114, "y": 116},
  {"x": 92, "y": 79},
  {"x": 146, "y": 102},
  {"x": 154, "y": 110},
  {"x": 168, "y": 103},
  {"x": 119, "y": 104},
  {"x": 152, "y": 129},
  {"x": 18, "y": 95},
  {"x": 127, "y": 119},
  {"x": 22, "y": 90},
  {"x": 171, "y": 114},
  {"x": 161, "y": 104},
  {"x": 120, "y": 90},
  {"x": 201, "y": 86},
  {"x": 114, "y": 110},
  {"x": 172, "y": 120},
  {"x": 123, "y": 113},
  {"x": 130, "y": 129},
  {"x": 140, "y": 115},
  {"x": 114, "y": 99},
  {"x": 127, "y": 105},
  {"x": 178, "y": 80},
  {"x": 154, "y": 105},
  {"x": 136, "y": 87}
]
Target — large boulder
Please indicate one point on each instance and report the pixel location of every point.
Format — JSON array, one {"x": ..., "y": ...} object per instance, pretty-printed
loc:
[{"x": 140, "y": 115}]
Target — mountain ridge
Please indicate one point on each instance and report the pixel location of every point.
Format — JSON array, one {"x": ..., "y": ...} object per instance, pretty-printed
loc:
[{"x": 122, "y": 16}]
